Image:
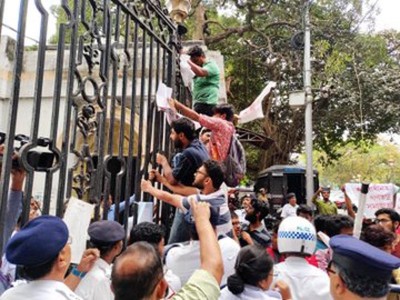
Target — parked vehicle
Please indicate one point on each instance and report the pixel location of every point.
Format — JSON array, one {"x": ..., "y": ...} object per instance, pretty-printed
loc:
[{"x": 280, "y": 180}]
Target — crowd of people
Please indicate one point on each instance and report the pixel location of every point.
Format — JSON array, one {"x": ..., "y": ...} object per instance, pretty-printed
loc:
[{"x": 218, "y": 247}]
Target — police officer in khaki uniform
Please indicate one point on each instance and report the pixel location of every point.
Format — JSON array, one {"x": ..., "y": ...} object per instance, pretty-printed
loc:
[{"x": 42, "y": 250}]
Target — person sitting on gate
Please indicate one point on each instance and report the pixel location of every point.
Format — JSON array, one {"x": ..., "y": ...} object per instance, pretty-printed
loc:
[
  {"x": 220, "y": 124},
  {"x": 206, "y": 82},
  {"x": 138, "y": 272}
]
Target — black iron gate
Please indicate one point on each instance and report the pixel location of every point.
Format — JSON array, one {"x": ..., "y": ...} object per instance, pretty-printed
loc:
[{"x": 99, "y": 130}]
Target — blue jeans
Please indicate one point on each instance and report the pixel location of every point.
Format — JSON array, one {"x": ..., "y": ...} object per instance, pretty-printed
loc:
[{"x": 179, "y": 229}]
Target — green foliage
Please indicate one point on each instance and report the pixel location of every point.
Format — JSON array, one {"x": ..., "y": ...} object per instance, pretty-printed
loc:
[
  {"x": 376, "y": 163},
  {"x": 355, "y": 75}
]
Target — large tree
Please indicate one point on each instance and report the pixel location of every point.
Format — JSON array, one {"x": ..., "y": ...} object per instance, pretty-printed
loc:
[{"x": 355, "y": 75}]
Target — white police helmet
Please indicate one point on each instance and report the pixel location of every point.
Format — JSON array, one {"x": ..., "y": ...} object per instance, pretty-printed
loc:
[{"x": 296, "y": 235}]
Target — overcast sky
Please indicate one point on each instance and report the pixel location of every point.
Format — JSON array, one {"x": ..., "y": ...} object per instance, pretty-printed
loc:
[{"x": 387, "y": 19}]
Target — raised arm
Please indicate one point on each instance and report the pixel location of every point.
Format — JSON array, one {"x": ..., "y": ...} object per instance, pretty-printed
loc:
[
  {"x": 179, "y": 189},
  {"x": 349, "y": 204},
  {"x": 172, "y": 199},
  {"x": 186, "y": 111},
  {"x": 315, "y": 196},
  {"x": 199, "y": 71},
  {"x": 210, "y": 252},
  {"x": 163, "y": 161}
]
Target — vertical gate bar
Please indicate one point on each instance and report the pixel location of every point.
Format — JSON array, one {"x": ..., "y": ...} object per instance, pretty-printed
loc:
[
  {"x": 114, "y": 86},
  {"x": 132, "y": 138},
  {"x": 71, "y": 146},
  {"x": 55, "y": 113},
  {"x": 104, "y": 75},
  {"x": 12, "y": 116},
  {"x": 138, "y": 174},
  {"x": 68, "y": 107},
  {"x": 157, "y": 130},
  {"x": 37, "y": 100},
  {"x": 150, "y": 111},
  {"x": 124, "y": 106},
  {"x": 122, "y": 172}
]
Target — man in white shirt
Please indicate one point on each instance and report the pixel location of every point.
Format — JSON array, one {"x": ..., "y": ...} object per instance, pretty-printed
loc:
[
  {"x": 107, "y": 237},
  {"x": 290, "y": 208},
  {"x": 42, "y": 248},
  {"x": 297, "y": 239},
  {"x": 183, "y": 259}
]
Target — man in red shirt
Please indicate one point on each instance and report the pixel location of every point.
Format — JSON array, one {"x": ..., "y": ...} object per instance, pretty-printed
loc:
[{"x": 220, "y": 124}]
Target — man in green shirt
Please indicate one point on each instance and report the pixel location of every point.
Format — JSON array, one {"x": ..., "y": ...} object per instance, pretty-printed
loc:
[
  {"x": 206, "y": 82},
  {"x": 324, "y": 205}
]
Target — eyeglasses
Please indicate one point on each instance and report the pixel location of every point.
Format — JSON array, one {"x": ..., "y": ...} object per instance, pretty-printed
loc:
[
  {"x": 384, "y": 221},
  {"x": 329, "y": 269}
]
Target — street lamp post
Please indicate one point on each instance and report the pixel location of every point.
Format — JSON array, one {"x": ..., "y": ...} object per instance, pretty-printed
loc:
[
  {"x": 178, "y": 10},
  {"x": 308, "y": 104}
]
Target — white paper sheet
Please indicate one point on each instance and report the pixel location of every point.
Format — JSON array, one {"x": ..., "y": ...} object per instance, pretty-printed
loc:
[
  {"x": 186, "y": 71},
  {"x": 163, "y": 94},
  {"x": 77, "y": 217}
]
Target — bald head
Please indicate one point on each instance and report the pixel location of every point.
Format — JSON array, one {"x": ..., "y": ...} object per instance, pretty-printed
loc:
[{"x": 136, "y": 272}]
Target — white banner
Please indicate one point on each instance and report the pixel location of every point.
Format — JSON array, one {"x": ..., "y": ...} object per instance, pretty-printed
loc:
[
  {"x": 379, "y": 196},
  {"x": 254, "y": 111},
  {"x": 77, "y": 217}
]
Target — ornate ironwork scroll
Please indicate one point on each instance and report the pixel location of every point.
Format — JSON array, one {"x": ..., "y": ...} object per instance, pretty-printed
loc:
[{"x": 93, "y": 101}]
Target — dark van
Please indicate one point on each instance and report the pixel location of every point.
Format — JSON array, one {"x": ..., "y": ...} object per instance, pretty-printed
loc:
[{"x": 280, "y": 180}]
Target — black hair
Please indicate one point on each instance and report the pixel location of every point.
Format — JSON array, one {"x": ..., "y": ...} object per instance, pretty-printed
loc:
[
  {"x": 103, "y": 248},
  {"x": 363, "y": 285},
  {"x": 134, "y": 278},
  {"x": 214, "y": 171},
  {"x": 394, "y": 215},
  {"x": 336, "y": 223},
  {"x": 378, "y": 236},
  {"x": 320, "y": 222},
  {"x": 290, "y": 195},
  {"x": 226, "y": 109},
  {"x": 185, "y": 126},
  {"x": 37, "y": 272},
  {"x": 204, "y": 130},
  {"x": 304, "y": 209},
  {"x": 260, "y": 207},
  {"x": 253, "y": 264},
  {"x": 195, "y": 51},
  {"x": 147, "y": 232},
  {"x": 234, "y": 215}
]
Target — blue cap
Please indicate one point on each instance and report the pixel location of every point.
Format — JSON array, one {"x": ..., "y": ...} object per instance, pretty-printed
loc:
[
  {"x": 38, "y": 242},
  {"x": 361, "y": 258},
  {"x": 106, "y": 232}
]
